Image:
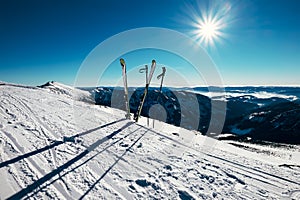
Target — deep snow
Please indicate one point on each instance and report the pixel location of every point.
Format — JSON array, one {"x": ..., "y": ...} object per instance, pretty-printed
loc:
[{"x": 56, "y": 144}]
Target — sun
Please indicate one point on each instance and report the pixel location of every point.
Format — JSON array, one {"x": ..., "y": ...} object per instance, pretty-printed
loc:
[
  {"x": 209, "y": 23},
  {"x": 208, "y": 31}
]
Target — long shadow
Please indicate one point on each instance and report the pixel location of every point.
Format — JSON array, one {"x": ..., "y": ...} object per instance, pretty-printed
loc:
[
  {"x": 55, "y": 172},
  {"x": 83, "y": 163},
  {"x": 104, "y": 174},
  {"x": 54, "y": 144}
]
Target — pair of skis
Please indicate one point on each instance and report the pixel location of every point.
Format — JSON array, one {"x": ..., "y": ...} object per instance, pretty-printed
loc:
[{"x": 148, "y": 80}]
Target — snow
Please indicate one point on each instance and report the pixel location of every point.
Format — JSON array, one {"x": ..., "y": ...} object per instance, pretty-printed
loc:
[
  {"x": 56, "y": 144},
  {"x": 242, "y": 93}
]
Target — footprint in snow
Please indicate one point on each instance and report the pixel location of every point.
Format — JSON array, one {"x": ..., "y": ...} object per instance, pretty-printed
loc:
[
  {"x": 185, "y": 195},
  {"x": 168, "y": 167},
  {"x": 122, "y": 144},
  {"x": 132, "y": 188},
  {"x": 145, "y": 183}
]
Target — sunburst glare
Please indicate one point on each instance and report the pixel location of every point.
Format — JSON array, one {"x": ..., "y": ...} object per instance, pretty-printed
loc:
[{"x": 209, "y": 22}]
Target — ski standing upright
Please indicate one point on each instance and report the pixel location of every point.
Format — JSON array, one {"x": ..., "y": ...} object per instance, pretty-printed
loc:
[
  {"x": 123, "y": 64},
  {"x": 140, "y": 107}
]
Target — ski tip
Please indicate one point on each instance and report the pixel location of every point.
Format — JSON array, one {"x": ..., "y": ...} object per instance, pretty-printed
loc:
[
  {"x": 164, "y": 69},
  {"x": 153, "y": 61},
  {"x": 122, "y": 62}
]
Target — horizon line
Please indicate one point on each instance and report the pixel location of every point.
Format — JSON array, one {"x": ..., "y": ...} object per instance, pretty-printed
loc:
[{"x": 135, "y": 86}]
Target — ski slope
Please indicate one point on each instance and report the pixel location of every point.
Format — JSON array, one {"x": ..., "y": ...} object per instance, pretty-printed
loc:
[{"x": 56, "y": 144}]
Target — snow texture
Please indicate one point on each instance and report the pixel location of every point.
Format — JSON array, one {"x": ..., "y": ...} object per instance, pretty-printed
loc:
[{"x": 56, "y": 144}]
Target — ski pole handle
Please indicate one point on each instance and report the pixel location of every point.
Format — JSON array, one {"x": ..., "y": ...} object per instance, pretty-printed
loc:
[
  {"x": 145, "y": 69},
  {"x": 162, "y": 74}
]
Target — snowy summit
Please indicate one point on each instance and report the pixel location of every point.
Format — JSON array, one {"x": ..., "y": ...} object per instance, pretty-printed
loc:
[{"x": 55, "y": 143}]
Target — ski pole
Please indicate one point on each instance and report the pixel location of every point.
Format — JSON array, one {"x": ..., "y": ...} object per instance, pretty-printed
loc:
[
  {"x": 161, "y": 76},
  {"x": 142, "y": 70}
]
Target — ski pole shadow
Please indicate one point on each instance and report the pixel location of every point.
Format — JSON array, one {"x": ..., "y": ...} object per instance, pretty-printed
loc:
[
  {"x": 106, "y": 172},
  {"x": 83, "y": 163},
  {"x": 55, "y": 143},
  {"x": 30, "y": 188}
]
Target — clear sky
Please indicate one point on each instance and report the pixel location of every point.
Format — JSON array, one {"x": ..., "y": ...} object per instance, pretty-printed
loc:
[{"x": 48, "y": 40}]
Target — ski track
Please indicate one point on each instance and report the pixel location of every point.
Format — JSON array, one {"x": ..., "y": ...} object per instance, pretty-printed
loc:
[
  {"x": 98, "y": 162},
  {"x": 42, "y": 128},
  {"x": 275, "y": 183},
  {"x": 19, "y": 147},
  {"x": 33, "y": 164},
  {"x": 69, "y": 163},
  {"x": 227, "y": 173},
  {"x": 96, "y": 170}
]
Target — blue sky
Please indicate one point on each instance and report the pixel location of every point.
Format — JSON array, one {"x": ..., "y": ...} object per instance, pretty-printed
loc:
[{"x": 49, "y": 40}]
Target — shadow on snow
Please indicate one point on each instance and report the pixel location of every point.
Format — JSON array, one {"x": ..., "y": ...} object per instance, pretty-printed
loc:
[
  {"x": 54, "y": 144},
  {"x": 119, "y": 158},
  {"x": 55, "y": 172}
]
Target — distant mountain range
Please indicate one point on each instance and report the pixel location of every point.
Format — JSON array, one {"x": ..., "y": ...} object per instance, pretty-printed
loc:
[{"x": 252, "y": 113}]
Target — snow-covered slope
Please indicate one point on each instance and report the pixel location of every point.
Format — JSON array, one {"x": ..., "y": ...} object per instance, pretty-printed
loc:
[
  {"x": 74, "y": 93},
  {"x": 55, "y": 146}
]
